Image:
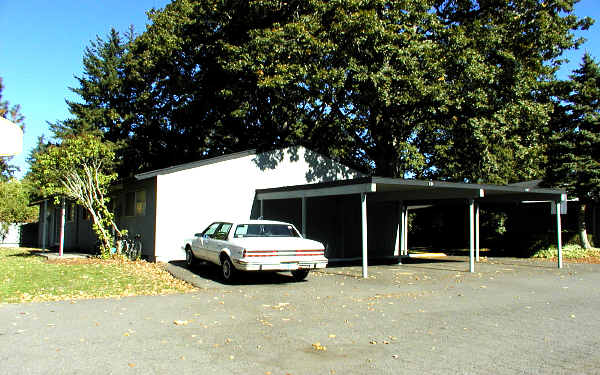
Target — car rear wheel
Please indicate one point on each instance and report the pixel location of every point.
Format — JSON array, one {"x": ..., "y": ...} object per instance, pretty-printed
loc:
[
  {"x": 299, "y": 275},
  {"x": 190, "y": 260},
  {"x": 227, "y": 269}
]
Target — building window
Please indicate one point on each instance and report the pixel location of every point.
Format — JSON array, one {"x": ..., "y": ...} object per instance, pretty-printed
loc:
[
  {"x": 135, "y": 203},
  {"x": 85, "y": 214},
  {"x": 140, "y": 203},
  {"x": 115, "y": 207},
  {"x": 70, "y": 212},
  {"x": 129, "y": 203}
]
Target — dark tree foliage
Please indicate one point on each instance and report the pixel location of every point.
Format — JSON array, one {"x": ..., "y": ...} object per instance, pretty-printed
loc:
[
  {"x": 106, "y": 104},
  {"x": 438, "y": 89},
  {"x": 574, "y": 154},
  {"x": 446, "y": 89},
  {"x": 201, "y": 94}
]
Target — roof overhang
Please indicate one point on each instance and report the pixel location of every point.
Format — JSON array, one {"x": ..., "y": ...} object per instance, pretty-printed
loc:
[{"x": 391, "y": 189}]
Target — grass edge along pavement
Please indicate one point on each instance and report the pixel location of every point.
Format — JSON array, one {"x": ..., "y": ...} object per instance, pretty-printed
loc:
[
  {"x": 27, "y": 277},
  {"x": 570, "y": 252}
]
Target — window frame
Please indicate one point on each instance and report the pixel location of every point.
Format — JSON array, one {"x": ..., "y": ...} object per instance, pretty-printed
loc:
[
  {"x": 142, "y": 202},
  {"x": 70, "y": 212},
  {"x": 132, "y": 200},
  {"x": 205, "y": 231},
  {"x": 223, "y": 236}
]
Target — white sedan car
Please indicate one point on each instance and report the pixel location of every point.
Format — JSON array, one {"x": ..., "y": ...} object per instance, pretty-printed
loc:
[{"x": 255, "y": 245}]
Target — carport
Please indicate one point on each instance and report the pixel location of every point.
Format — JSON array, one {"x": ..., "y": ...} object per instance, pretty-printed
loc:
[{"x": 406, "y": 192}]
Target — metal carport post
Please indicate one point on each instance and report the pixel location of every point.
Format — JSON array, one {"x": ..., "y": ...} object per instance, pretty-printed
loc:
[
  {"x": 559, "y": 235},
  {"x": 404, "y": 230},
  {"x": 400, "y": 246},
  {"x": 477, "y": 231},
  {"x": 45, "y": 224},
  {"x": 304, "y": 216},
  {"x": 363, "y": 216},
  {"x": 471, "y": 236},
  {"x": 61, "y": 244}
]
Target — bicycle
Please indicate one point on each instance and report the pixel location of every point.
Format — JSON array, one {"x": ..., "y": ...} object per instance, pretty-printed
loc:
[{"x": 132, "y": 248}]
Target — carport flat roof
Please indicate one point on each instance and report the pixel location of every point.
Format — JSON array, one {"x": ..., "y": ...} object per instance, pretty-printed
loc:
[{"x": 382, "y": 188}]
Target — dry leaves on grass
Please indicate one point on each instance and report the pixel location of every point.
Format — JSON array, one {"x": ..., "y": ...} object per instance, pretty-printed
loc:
[{"x": 87, "y": 278}]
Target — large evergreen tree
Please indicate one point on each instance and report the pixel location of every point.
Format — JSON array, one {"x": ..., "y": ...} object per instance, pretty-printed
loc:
[
  {"x": 448, "y": 89},
  {"x": 574, "y": 155},
  {"x": 105, "y": 96},
  {"x": 441, "y": 89}
]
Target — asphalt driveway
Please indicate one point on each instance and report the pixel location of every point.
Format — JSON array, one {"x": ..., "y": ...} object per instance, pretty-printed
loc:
[{"x": 512, "y": 317}]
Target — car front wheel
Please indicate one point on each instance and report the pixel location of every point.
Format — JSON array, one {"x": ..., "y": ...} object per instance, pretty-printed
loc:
[
  {"x": 227, "y": 269},
  {"x": 299, "y": 275},
  {"x": 190, "y": 260}
]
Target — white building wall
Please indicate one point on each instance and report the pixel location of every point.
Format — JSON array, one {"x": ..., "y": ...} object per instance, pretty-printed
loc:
[
  {"x": 13, "y": 236},
  {"x": 189, "y": 200}
]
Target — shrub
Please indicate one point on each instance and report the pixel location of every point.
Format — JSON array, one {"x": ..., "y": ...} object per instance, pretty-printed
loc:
[{"x": 569, "y": 251}]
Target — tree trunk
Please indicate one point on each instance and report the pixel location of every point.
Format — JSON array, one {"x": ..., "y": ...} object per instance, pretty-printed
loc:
[
  {"x": 581, "y": 227},
  {"x": 101, "y": 231}
]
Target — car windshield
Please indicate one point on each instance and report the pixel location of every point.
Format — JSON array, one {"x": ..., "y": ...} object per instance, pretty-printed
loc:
[{"x": 265, "y": 230}]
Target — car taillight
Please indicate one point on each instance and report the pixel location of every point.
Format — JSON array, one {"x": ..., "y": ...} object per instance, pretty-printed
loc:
[{"x": 244, "y": 253}]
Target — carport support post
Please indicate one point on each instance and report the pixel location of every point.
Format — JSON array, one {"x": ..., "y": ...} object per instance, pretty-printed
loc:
[
  {"x": 61, "y": 244},
  {"x": 559, "y": 235},
  {"x": 363, "y": 217},
  {"x": 399, "y": 245},
  {"x": 477, "y": 232},
  {"x": 405, "y": 228},
  {"x": 471, "y": 236},
  {"x": 44, "y": 224},
  {"x": 304, "y": 216}
]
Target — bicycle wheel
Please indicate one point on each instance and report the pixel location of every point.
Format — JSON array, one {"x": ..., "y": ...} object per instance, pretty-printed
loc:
[
  {"x": 127, "y": 249},
  {"x": 137, "y": 250}
]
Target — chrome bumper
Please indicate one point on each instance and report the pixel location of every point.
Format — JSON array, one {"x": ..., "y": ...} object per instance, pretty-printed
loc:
[{"x": 282, "y": 266}]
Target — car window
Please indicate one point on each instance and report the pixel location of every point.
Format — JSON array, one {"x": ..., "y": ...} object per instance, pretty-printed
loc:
[
  {"x": 265, "y": 230},
  {"x": 222, "y": 232},
  {"x": 211, "y": 229}
]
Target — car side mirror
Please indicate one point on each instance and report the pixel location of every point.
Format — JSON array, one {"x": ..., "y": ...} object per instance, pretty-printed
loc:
[{"x": 198, "y": 235}]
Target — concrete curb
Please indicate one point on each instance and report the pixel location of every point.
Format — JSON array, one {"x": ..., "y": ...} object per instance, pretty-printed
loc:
[
  {"x": 427, "y": 255},
  {"x": 53, "y": 256},
  {"x": 182, "y": 273}
]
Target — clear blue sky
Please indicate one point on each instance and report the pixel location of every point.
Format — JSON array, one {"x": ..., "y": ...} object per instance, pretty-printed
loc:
[{"x": 42, "y": 45}]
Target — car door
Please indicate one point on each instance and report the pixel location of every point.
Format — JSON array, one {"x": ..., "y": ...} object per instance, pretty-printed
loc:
[
  {"x": 201, "y": 241},
  {"x": 218, "y": 241}
]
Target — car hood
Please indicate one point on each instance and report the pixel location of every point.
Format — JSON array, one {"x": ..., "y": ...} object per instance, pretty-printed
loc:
[{"x": 277, "y": 243}]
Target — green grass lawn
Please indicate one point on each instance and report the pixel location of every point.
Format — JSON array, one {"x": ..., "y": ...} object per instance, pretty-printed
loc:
[{"x": 27, "y": 277}]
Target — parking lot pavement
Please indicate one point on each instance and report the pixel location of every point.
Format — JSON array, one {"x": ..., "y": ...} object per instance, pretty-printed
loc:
[{"x": 511, "y": 317}]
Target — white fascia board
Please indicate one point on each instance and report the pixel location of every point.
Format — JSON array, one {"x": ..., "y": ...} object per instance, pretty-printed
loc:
[{"x": 319, "y": 192}]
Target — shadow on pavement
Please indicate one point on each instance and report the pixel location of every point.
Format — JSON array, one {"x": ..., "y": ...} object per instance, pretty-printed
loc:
[
  {"x": 207, "y": 271},
  {"x": 395, "y": 262}
]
